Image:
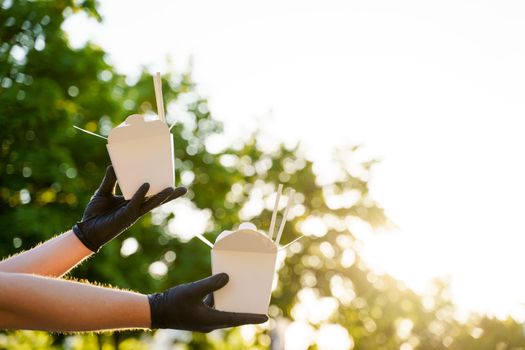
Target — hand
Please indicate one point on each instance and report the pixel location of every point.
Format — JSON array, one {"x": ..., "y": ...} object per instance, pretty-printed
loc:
[
  {"x": 182, "y": 307},
  {"x": 107, "y": 215}
]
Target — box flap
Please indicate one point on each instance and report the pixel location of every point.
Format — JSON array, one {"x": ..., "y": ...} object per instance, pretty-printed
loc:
[
  {"x": 135, "y": 127},
  {"x": 245, "y": 240}
]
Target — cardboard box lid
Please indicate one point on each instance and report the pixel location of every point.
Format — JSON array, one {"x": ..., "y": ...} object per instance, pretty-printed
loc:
[
  {"x": 135, "y": 127},
  {"x": 245, "y": 240}
]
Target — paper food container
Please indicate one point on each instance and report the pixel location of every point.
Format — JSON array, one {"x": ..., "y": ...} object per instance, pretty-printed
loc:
[
  {"x": 249, "y": 258},
  {"x": 142, "y": 151}
]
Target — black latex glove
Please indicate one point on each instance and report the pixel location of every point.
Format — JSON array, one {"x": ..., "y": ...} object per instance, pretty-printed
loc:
[
  {"x": 107, "y": 214},
  {"x": 183, "y": 307}
]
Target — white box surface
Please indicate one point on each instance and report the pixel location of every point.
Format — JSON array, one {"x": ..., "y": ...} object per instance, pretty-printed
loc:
[
  {"x": 142, "y": 151},
  {"x": 249, "y": 258}
]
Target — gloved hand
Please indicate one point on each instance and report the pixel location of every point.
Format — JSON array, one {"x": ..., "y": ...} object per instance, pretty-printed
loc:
[
  {"x": 107, "y": 215},
  {"x": 183, "y": 307}
]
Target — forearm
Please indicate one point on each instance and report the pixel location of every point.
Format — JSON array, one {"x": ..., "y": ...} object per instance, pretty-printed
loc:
[
  {"x": 53, "y": 258},
  {"x": 40, "y": 303}
]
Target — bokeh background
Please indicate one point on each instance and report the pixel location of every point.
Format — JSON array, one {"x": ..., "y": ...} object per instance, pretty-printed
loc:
[{"x": 399, "y": 125}]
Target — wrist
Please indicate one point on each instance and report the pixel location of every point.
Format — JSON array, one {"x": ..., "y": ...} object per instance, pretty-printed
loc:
[
  {"x": 77, "y": 244},
  {"x": 156, "y": 310},
  {"x": 77, "y": 230}
]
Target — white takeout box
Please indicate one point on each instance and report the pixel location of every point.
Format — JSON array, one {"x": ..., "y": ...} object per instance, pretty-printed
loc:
[
  {"x": 142, "y": 151},
  {"x": 248, "y": 257}
]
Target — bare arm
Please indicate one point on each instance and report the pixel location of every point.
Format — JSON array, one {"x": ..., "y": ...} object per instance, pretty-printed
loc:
[
  {"x": 53, "y": 258},
  {"x": 56, "y": 305},
  {"x": 34, "y": 302},
  {"x": 105, "y": 217}
]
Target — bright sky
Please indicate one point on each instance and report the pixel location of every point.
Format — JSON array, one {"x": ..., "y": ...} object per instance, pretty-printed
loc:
[{"x": 434, "y": 89}]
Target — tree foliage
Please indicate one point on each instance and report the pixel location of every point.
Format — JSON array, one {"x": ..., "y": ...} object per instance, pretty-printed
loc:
[{"x": 48, "y": 171}]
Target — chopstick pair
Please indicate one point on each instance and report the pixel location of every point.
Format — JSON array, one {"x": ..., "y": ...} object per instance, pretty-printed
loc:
[
  {"x": 274, "y": 217},
  {"x": 157, "y": 83},
  {"x": 285, "y": 215}
]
